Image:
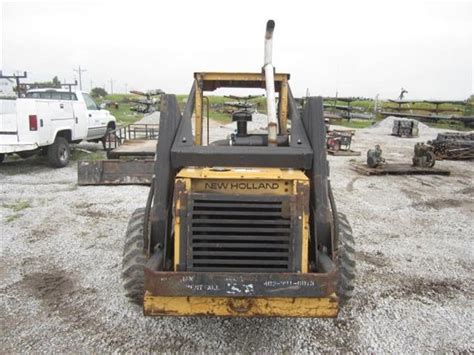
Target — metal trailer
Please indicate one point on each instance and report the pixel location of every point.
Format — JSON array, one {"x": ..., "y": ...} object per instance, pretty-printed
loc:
[{"x": 131, "y": 154}]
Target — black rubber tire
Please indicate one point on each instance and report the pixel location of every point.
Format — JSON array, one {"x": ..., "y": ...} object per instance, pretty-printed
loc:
[
  {"x": 134, "y": 258},
  {"x": 59, "y": 153},
  {"x": 345, "y": 259},
  {"x": 43, "y": 151},
  {"x": 431, "y": 159},
  {"x": 2, "y": 158}
]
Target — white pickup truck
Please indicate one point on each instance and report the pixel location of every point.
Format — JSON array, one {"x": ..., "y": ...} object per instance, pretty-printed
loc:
[{"x": 48, "y": 120}]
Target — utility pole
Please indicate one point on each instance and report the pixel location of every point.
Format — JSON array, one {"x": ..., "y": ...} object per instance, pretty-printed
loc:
[
  {"x": 80, "y": 71},
  {"x": 111, "y": 86},
  {"x": 92, "y": 85}
]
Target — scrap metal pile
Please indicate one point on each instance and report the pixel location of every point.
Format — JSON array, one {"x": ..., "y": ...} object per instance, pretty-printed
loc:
[
  {"x": 405, "y": 128},
  {"x": 148, "y": 103},
  {"x": 339, "y": 140},
  {"x": 423, "y": 162},
  {"x": 374, "y": 157},
  {"x": 455, "y": 146}
]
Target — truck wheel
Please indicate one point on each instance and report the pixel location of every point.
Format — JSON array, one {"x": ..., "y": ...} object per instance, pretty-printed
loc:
[
  {"x": 59, "y": 153},
  {"x": 134, "y": 259},
  {"x": 2, "y": 158},
  {"x": 345, "y": 259}
]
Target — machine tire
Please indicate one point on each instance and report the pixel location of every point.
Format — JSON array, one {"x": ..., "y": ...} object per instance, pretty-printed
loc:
[
  {"x": 431, "y": 159},
  {"x": 59, "y": 153},
  {"x": 345, "y": 259},
  {"x": 134, "y": 258},
  {"x": 2, "y": 158}
]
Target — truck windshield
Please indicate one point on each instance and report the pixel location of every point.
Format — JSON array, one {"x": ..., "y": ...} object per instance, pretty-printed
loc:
[{"x": 91, "y": 105}]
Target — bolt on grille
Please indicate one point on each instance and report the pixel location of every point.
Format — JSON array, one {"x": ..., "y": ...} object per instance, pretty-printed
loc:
[{"x": 243, "y": 233}]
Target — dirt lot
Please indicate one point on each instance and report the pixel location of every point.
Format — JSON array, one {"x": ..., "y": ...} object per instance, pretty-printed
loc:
[{"x": 61, "y": 258}]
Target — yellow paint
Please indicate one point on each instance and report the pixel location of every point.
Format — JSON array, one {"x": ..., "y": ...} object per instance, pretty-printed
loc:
[
  {"x": 222, "y": 76},
  {"x": 243, "y": 186},
  {"x": 241, "y": 307},
  {"x": 177, "y": 230},
  {"x": 198, "y": 115},
  {"x": 245, "y": 181},
  {"x": 242, "y": 173},
  {"x": 305, "y": 244},
  {"x": 306, "y": 229},
  {"x": 283, "y": 109},
  {"x": 212, "y": 80}
]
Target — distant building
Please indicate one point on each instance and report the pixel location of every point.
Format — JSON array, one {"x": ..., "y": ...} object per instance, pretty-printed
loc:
[{"x": 6, "y": 88}]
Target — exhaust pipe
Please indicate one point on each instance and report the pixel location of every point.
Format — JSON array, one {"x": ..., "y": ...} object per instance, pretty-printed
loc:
[{"x": 270, "y": 84}]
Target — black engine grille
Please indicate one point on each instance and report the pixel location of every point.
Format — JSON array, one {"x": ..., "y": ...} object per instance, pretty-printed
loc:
[{"x": 239, "y": 233}]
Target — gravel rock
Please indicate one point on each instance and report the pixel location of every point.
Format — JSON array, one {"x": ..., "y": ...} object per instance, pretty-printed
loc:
[
  {"x": 385, "y": 126},
  {"x": 152, "y": 118},
  {"x": 61, "y": 257}
]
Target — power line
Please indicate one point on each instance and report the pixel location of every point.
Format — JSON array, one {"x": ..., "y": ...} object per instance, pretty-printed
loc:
[{"x": 80, "y": 71}]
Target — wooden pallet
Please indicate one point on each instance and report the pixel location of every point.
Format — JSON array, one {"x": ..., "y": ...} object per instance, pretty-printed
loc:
[
  {"x": 344, "y": 153},
  {"x": 398, "y": 169}
]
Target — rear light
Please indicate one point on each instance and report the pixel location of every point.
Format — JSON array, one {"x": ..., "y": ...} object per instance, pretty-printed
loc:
[{"x": 33, "y": 122}]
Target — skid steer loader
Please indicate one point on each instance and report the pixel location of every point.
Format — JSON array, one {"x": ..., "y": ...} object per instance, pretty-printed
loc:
[{"x": 245, "y": 226}]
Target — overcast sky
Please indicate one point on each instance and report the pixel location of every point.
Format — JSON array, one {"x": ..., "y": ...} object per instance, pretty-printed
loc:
[{"x": 357, "y": 48}]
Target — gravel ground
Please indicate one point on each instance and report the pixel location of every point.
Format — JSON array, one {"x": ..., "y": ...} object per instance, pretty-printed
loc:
[
  {"x": 152, "y": 118},
  {"x": 61, "y": 257}
]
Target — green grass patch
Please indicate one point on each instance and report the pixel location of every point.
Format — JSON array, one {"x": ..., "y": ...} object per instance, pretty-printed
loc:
[
  {"x": 354, "y": 123},
  {"x": 458, "y": 126},
  {"x": 121, "y": 97},
  {"x": 12, "y": 217},
  {"x": 13, "y": 157},
  {"x": 18, "y": 205},
  {"x": 221, "y": 117},
  {"x": 124, "y": 115},
  {"x": 78, "y": 154}
]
